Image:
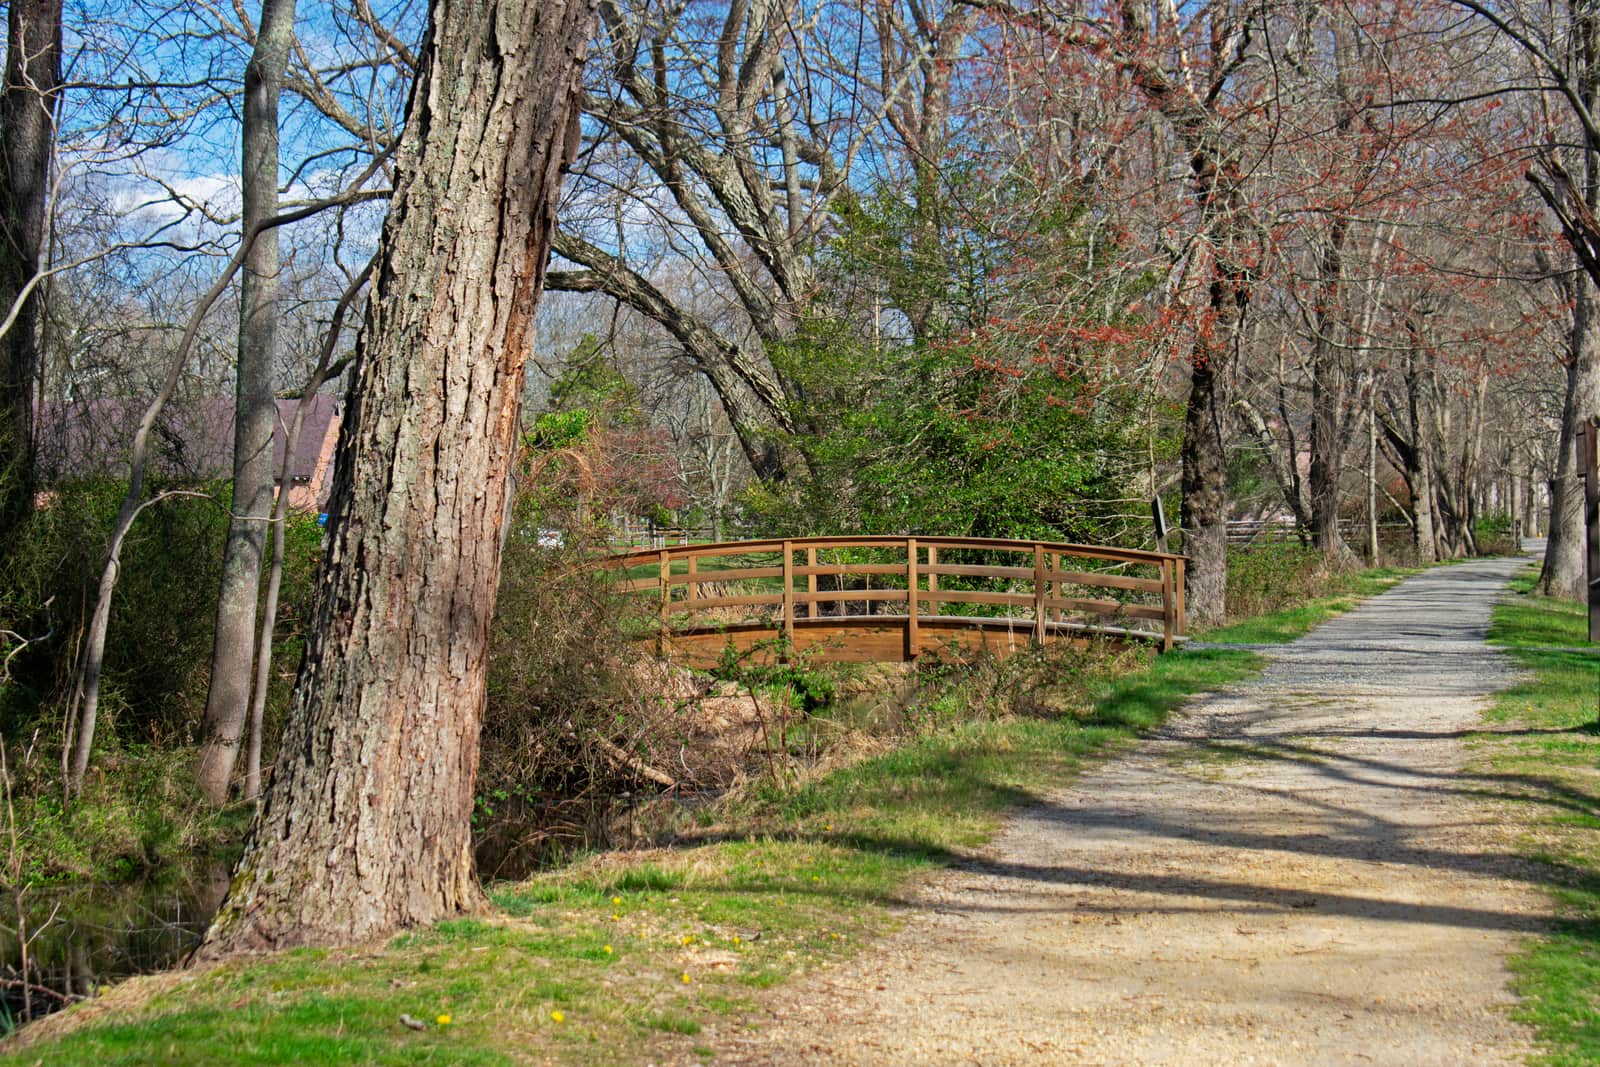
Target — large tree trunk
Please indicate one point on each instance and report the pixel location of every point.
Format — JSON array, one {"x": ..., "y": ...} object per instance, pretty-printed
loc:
[
  {"x": 1563, "y": 573},
  {"x": 1204, "y": 481},
  {"x": 1205, "y": 500},
  {"x": 1329, "y": 396},
  {"x": 28, "y": 106},
  {"x": 365, "y": 826},
  {"x": 255, "y": 411}
]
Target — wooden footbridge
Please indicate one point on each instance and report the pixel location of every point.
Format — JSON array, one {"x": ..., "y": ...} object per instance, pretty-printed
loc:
[{"x": 892, "y": 599}]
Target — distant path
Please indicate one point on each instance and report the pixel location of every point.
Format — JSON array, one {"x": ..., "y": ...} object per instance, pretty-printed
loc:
[{"x": 1293, "y": 871}]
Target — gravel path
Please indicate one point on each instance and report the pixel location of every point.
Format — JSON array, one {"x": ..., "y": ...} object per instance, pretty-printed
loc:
[{"x": 1293, "y": 871}]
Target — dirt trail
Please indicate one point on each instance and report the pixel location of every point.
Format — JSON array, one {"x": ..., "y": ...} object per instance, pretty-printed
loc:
[{"x": 1294, "y": 871}]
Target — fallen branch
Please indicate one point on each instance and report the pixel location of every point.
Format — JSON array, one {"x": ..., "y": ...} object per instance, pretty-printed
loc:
[
  {"x": 633, "y": 763},
  {"x": 34, "y": 987}
]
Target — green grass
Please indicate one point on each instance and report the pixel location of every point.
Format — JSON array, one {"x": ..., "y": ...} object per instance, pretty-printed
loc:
[
  {"x": 1554, "y": 762},
  {"x": 779, "y": 881},
  {"x": 1338, "y": 594}
]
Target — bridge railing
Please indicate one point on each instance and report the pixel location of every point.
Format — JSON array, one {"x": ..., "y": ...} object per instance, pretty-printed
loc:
[{"x": 1040, "y": 589}]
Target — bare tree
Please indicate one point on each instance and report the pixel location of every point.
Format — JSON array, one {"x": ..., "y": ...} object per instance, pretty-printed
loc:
[{"x": 255, "y": 411}]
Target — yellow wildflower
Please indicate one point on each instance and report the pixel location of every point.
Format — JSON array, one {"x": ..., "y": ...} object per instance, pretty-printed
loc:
[
  {"x": 443, "y": 1020},
  {"x": 556, "y": 1016}
]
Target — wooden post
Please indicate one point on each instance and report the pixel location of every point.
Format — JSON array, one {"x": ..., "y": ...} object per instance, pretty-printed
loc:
[
  {"x": 838, "y": 585},
  {"x": 1039, "y": 588},
  {"x": 813, "y": 609},
  {"x": 665, "y": 577},
  {"x": 1055, "y": 586},
  {"x": 1158, "y": 515},
  {"x": 912, "y": 636},
  {"x": 1177, "y": 594},
  {"x": 788, "y": 591},
  {"x": 1168, "y": 607},
  {"x": 933, "y": 580},
  {"x": 692, "y": 591}
]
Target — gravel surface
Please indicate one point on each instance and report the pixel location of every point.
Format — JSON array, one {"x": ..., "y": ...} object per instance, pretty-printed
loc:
[{"x": 1295, "y": 870}]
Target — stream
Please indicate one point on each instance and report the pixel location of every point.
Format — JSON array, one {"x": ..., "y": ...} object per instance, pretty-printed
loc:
[{"x": 80, "y": 938}]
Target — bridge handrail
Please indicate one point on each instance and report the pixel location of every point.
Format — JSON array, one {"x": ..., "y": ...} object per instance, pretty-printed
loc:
[{"x": 1045, "y": 574}]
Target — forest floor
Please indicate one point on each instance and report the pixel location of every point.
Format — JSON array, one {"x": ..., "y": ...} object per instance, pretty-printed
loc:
[{"x": 1300, "y": 868}]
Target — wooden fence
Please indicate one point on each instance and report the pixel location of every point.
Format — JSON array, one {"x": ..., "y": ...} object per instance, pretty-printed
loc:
[{"x": 888, "y": 598}]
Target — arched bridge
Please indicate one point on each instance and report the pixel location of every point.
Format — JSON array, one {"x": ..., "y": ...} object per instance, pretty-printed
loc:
[{"x": 855, "y": 599}]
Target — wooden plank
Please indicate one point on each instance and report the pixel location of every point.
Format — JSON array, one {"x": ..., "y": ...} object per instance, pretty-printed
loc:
[
  {"x": 932, "y": 569},
  {"x": 725, "y": 548},
  {"x": 1041, "y": 589},
  {"x": 1108, "y": 581},
  {"x": 665, "y": 563},
  {"x": 693, "y": 589},
  {"x": 912, "y": 639},
  {"x": 1178, "y": 592},
  {"x": 1167, "y": 631},
  {"x": 1055, "y": 582},
  {"x": 788, "y": 591},
  {"x": 980, "y": 544},
  {"x": 973, "y": 571},
  {"x": 758, "y": 600},
  {"x": 883, "y": 639},
  {"x": 852, "y": 594},
  {"x": 732, "y": 575},
  {"x": 638, "y": 585},
  {"x": 852, "y": 568},
  {"x": 1091, "y": 578},
  {"x": 811, "y": 569},
  {"x": 977, "y": 596},
  {"x": 1111, "y": 607}
]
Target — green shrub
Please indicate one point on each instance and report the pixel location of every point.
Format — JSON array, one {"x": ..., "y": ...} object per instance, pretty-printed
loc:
[
  {"x": 1266, "y": 577},
  {"x": 1494, "y": 534}
]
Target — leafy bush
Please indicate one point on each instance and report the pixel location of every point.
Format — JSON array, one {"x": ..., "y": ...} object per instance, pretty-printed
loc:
[
  {"x": 1266, "y": 577},
  {"x": 1494, "y": 534},
  {"x": 159, "y": 646}
]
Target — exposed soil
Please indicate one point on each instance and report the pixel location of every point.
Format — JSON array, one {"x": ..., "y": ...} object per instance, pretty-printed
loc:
[{"x": 1296, "y": 870}]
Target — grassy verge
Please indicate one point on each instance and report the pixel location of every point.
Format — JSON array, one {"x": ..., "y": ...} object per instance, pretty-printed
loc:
[
  {"x": 1550, "y": 760},
  {"x": 625, "y": 957},
  {"x": 1333, "y": 595}
]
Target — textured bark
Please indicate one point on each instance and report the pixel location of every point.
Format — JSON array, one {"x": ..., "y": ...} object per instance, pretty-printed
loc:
[
  {"x": 28, "y": 106},
  {"x": 365, "y": 827},
  {"x": 255, "y": 412},
  {"x": 1419, "y": 461},
  {"x": 280, "y": 515},
  {"x": 1330, "y": 396},
  {"x": 1563, "y": 573},
  {"x": 1205, "y": 501}
]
